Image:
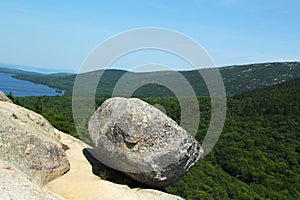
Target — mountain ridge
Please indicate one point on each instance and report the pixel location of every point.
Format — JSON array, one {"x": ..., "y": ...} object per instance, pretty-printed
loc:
[{"x": 237, "y": 78}]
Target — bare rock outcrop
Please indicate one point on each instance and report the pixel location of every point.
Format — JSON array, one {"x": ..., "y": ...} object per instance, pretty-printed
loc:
[
  {"x": 134, "y": 137},
  {"x": 15, "y": 185},
  {"x": 31, "y": 144},
  {"x": 3, "y": 97}
]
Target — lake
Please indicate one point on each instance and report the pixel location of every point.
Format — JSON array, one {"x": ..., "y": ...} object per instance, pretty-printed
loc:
[{"x": 21, "y": 88}]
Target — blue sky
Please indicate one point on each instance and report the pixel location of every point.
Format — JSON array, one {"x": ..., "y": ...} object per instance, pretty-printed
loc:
[{"x": 59, "y": 35}]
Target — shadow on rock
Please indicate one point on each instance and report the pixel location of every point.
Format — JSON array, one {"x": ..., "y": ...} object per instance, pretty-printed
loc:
[{"x": 110, "y": 174}]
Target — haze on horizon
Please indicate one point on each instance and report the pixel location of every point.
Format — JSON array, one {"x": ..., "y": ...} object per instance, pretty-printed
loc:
[{"x": 59, "y": 35}]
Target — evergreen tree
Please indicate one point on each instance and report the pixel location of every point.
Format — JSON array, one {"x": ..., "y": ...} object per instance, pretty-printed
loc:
[{"x": 38, "y": 105}]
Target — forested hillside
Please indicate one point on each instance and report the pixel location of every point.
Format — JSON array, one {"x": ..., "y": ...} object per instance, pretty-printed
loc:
[
  {"x": 256, "y": 157},
  {"x": 237, "y": 79},
  {"x": 258, "y": 154}
]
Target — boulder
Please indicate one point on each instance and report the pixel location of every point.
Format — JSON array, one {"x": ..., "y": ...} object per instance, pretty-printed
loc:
[
  {"x": 31, "y": 144},
  {"x": 81, "y": 184},
  {"x": 3, "y": 97},
  {"x": 136, "y": 138},
  {"x": 15, "y": 185}
]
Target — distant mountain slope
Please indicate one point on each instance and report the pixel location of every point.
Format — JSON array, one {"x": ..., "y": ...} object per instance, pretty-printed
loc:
[
  {"x": 237, "y": 79},
  {"x": 243, "y": 78},
  {"x": 17, "y": 71}
]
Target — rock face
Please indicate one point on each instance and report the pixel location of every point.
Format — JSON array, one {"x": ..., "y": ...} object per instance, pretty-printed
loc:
[
  {"x": 15, "y": 185},
  {"x": 30, "y": 143},
  {"x": 141, "y": 141},
  {"x": 3, "y": 97}
]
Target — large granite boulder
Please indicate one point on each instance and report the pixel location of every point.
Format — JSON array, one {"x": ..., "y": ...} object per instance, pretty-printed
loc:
[
  {"x": 138, "y": 139},
  {"x": 31, "y": 144},
  {"x": 15, "y": 185}
]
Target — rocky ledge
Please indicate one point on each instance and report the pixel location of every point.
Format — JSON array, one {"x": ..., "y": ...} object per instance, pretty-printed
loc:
[{"x": 30, "y": 143}]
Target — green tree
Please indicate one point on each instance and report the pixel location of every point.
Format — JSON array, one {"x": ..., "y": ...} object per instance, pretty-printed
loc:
[
  {"x": 12, "y": 97},
  {"x": 38, "y": 105}
]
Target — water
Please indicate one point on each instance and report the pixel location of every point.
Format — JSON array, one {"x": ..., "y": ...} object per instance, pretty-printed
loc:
[{"x": 21, "y": 88}]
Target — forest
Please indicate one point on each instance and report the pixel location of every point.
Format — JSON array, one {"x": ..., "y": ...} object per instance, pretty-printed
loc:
[{"x": 256, "y": 157}]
